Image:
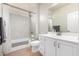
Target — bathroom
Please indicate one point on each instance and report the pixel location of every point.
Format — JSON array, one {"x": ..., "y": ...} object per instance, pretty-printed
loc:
[{"x": 27, "y": 26}]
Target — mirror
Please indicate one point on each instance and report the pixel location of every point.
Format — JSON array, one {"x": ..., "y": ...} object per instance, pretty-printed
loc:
[{"x": 65, "y": 16}]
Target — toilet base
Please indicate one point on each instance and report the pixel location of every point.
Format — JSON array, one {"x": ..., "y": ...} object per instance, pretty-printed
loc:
[
  {"x": 35, "y": 45},
  {"x": 35, "y": 48}
]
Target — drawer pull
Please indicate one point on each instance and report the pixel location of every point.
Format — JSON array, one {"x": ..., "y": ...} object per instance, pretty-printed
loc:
[
  {"x": 55, "y": 43},
  {"x": 58, "y": 45}
]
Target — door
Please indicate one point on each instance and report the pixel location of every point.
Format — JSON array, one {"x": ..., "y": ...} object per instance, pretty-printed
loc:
[
  {"x": 0, "y": 32},
  {"x": 1, "y": 36},
  {"x": 0, "y": 40},
  {"x": 50, "y": 46},
  {"x": 66, "y": 49},
  {"x": 72, "y": 22}
]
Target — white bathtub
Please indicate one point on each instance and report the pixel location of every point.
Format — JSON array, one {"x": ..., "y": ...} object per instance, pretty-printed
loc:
[{"x": 15, "y": 41}]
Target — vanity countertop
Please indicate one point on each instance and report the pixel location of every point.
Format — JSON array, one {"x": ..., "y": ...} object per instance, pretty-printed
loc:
[{"x": 72, "y": 37}]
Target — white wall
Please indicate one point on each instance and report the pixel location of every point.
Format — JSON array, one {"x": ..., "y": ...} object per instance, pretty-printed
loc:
[
  {"x": 59, "y": 16},
  {"x": 44, "y": 18},
  {"x": 34, "y": 24}
]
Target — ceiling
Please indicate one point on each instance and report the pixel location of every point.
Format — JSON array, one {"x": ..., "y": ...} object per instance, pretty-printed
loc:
[
  {"x": 56, "y": 6},
  {"x": 43, "y": 6},
  {"x": 26, "y": 6}
]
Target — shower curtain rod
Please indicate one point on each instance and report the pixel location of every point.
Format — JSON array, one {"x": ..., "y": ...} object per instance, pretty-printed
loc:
[{"x": 19, "y": 8}]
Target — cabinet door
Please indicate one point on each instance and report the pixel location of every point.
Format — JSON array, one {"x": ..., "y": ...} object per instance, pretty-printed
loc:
[
  {"x": 66, "y": 49},
  {"x": 50, "y": 47},
  {"x": 42, "y": 46}
]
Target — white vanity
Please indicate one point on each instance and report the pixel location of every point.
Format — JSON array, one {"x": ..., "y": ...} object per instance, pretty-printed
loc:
[{"x": 67, "y": 44}]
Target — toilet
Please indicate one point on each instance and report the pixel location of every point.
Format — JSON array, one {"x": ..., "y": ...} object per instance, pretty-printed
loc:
[{"x": 35, "y": 45}]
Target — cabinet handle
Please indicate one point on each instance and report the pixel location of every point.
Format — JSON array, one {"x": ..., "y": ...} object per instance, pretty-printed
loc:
[
  {"x": 54, "y": 43},
  {"x": 58, "y": 45}
]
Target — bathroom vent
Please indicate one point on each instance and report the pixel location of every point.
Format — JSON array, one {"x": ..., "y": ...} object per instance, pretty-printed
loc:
[{"x": 19, "y": 43}]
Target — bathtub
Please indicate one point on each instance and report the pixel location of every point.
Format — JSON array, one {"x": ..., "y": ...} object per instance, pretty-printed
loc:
[{"x": 17, "y": 44}]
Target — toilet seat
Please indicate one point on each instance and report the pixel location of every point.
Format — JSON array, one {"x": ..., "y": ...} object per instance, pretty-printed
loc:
[{"x": 35, "y": 43}]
